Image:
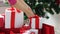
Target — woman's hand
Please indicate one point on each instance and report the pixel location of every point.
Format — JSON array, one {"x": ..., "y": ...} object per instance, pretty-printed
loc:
[{"x": 21, "y": 5}]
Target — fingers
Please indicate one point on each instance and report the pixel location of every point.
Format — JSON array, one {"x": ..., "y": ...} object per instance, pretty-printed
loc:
[{"x": 21, "y": 5}]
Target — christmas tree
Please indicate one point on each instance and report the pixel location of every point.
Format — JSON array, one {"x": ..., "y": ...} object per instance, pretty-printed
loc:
[{"x": 38, "y": 6}]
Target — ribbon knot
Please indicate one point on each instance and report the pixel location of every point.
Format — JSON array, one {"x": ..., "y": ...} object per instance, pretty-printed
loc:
[
  {"x": 36, "y": 16},
  {"x": 12, "y": 9}
]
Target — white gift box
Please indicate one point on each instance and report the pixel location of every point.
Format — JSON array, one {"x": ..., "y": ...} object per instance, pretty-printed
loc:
[
  {"x": 13, "y": 18},
  {"x": 31, "y": 31},
  {"x": 36, "y": 22}
]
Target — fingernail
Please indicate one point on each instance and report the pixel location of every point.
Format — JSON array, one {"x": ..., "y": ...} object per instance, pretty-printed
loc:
[{"x": 12, "y": 2}]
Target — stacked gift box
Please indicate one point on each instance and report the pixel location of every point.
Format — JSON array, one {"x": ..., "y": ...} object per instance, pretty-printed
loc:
[{"x": 12, "y": 22}]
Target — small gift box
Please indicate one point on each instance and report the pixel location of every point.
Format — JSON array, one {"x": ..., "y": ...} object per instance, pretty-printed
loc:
[
  {"x": 48, "y": 29},
  {"x": 13, "y": 18},
  {"x": 35, "y": 22}
]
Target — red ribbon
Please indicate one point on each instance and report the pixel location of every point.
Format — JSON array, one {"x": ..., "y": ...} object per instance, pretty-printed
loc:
[
  {"x": 13, "y": 16},
  {"x": 36, "y": 21},
  {"x": 12, "y": 19},
  {"x": 11, "y": 32}
]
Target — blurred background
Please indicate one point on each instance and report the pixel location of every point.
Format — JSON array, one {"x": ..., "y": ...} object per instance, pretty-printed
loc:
[{"x": 49, "y": 9}]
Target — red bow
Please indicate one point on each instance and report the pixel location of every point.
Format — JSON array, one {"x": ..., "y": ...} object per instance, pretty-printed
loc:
[{"x": 12, "y": 9}]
